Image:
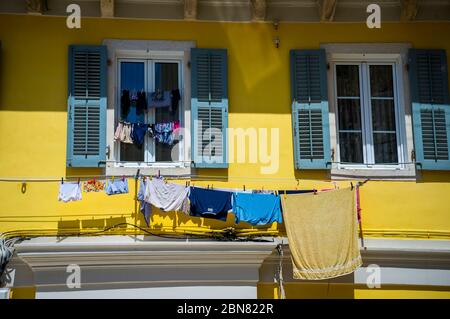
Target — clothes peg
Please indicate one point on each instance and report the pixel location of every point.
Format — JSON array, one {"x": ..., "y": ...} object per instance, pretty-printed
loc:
[
  {"x": 244, "y": 188},
  {"x": 78, "y": 180},
  {"x": 62, "y": 180},
  {"x": 351, "y": 185},
  {"x": 123, "y": 178},
  {"x": 113, "y": 179},
  {"x": 285, "y": 194}
]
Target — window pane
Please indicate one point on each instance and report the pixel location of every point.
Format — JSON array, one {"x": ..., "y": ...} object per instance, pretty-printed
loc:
[
  {"x": 385, "y": 145},
  {"x": 166, "y": 79},
  {"x": 383, "y": 115},
  {"x": 350, "y": 148},
  {"x": 347, "y": 80},
  {"x": 349, "y": 114},
  {"x": 381, "y": 82},
  {"x": 132, "y": 79}
]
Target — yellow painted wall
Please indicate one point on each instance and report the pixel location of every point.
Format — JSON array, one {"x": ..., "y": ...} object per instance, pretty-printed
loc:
[
  {"x": 33, "y": 95},
  {"x": 350, "y": 291}
]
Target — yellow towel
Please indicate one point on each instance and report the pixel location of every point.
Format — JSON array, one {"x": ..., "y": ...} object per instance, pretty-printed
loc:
[{"x": 322, "y": 229}]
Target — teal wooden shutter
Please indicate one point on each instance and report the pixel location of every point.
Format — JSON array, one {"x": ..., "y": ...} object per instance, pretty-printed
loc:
[
  {"x": 310, "y": 109},
  {"x": 430, "y": 107},
  {"x": 209, "y": 107},
  {"x": 86, "y": 129}
]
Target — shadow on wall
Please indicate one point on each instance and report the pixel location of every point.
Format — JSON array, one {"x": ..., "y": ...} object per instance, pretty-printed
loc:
[{"x": 433, "y": 176}]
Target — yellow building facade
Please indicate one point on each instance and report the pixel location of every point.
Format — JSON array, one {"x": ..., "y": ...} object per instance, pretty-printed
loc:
[{"x": 33, "y": 127}]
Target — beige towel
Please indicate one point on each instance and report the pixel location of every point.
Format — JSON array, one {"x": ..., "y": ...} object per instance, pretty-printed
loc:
[{"x": 323, "y": 233}]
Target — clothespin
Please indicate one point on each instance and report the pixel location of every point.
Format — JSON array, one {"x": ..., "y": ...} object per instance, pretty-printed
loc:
[
  {"x": 351, "y": 185},
  {"x": 298, "y": 183},
  {"x": 137, "y": 173},
  {"x": 244, "y": 188},
  {"x": 62, "y": 180},
  {"x": 285, "y": 194},
  {"x": 113, "y": 179},
  {"x": 78, "y": 180},
  {"x": 123, "y": 178},
  {"x": 159, "y": 173}
]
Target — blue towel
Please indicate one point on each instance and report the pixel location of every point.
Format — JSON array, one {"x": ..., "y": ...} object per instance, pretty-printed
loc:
[
  {"x": 257, "y": 209},
  {"x": 209, "y": 203}
]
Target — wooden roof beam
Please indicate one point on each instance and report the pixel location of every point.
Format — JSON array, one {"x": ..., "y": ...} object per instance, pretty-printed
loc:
[
  {"x": 409, "y": 10},
  {"x": 190, "y": 9},
  {"x": 327, "y": 10},
  {"x": 107, "y": 8},
  {"x": 259, "y": 9},
  {"x": 35, "y": 6}
]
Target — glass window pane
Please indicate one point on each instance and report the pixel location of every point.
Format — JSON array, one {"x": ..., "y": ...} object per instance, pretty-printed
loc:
[
  {"x": 381, "y": 82},
  {"x": 132, "y": 79},
  {"x": 347, "y": 80},
  {"x": 385, "y": 147},
  {"x": 383, "y": 115},
  {"x": 349, "y": 114},
  {"x": 350, "y": 148},
  {"x": 166, "y": 79}
]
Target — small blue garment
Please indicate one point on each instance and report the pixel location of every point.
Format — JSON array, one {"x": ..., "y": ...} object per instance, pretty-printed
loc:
[
  {"x": 145, "y": 208},
  {"x": 117, "y": 186},
  {"x": 138, "y": 133},
  {"x": 209, "y": 203},
  {"x": 257, "y": 209}
]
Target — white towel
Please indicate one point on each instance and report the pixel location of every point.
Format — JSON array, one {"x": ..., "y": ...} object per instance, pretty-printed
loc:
[
  {"x": 69, "y": 192},
  {"x": 166, "y": 196}
]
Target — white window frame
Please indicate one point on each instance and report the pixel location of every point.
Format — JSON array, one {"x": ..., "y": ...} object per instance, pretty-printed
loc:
[
  {"x": 149, "y": 71},
  {"x": 364, "y": 63},
  {"x": 373, "y": 52},
  {"x": 148, "y": 50}
]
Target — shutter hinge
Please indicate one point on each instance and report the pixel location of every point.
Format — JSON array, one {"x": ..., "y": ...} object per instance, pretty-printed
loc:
[
  {"x": 413, "y": 155},
  {"x": 108, "y": 151},
  {"x": 332, "y": 154}
]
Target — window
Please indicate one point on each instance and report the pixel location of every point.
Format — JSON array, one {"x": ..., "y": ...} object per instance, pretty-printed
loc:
[
  {"x": 367, "y": 114},
  {"x": 149, "y": 75}
]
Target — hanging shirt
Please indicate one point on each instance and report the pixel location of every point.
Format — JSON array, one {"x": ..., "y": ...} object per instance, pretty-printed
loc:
[
  {"x": 69, "y": 192},
  {"x": 257, "y": 209},
  {"x": 138, "y": 133},
  {"x": 125, "y": 134},
  {"x": 160, "y": 99},
  {"x": 210, "y": 203},
  {"x": 164, "y": 132},
  {"x": 166, "y": 196},
  {"x": 117, "y": 186},
  {"x": 145, "y": 208}
]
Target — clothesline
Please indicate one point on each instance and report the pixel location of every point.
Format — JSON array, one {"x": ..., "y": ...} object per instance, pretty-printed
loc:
[{"x": 168, "y": 177}]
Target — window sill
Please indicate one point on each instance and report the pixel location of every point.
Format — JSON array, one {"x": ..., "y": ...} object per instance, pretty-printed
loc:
[
  {"x": 166, "y": 169},
  {"x": 407, "y": 172}
]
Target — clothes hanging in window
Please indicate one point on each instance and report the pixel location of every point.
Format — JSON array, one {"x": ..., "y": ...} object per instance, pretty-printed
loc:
[
  {"x": 138, "y": 131},
  {"x": 116, "y": 186},
  {"x": 210, "y": 203},
  {"x": 166, "y": 196},
  {"x": 159, "y": 99},
  {"x": 175, "y": 99},
  {"x": 69, "y": 192},
  {"x": 141, "y": 104},
  {"x": 125, "y": 103},
  {"x": 125, "y": 134},
  {"x": 257, "y": 209},
  {"x": 163, "y": 132}
]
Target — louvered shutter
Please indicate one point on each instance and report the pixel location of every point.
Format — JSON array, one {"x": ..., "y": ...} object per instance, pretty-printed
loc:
[
  {"x": 209, "y": 104},
  {"x": 430, "y": 105},
  {"x": 310, "y": 109},
  {"x": 86, "y": 136}
]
